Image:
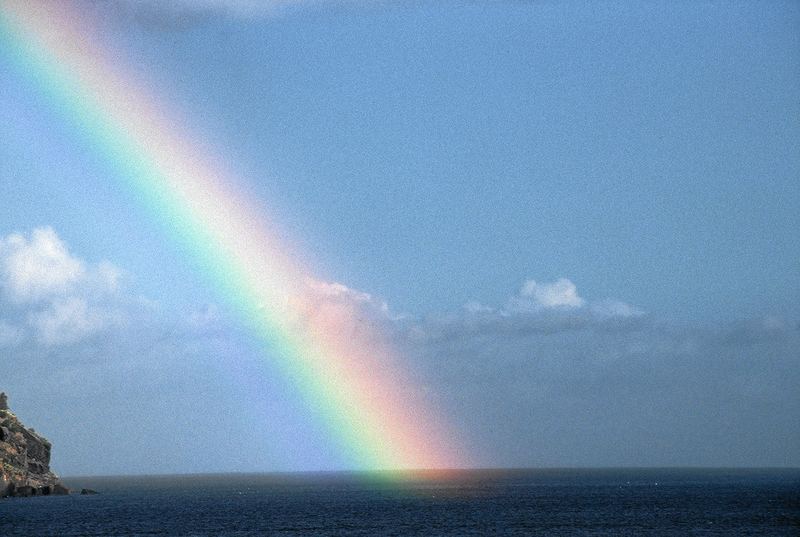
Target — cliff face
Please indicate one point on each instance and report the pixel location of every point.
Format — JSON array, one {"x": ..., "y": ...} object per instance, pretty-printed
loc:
[{"x": 24, "y": 459}]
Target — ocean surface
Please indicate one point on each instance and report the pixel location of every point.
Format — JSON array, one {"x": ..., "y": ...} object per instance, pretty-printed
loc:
[{"x": 498, "y": 502}]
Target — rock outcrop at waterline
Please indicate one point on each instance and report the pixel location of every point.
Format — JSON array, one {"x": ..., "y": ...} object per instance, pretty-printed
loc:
[{"x": 24, "y": 459}]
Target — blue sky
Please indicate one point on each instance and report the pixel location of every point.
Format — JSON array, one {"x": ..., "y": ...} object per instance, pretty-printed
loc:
[{"x": 441, "y": 154}]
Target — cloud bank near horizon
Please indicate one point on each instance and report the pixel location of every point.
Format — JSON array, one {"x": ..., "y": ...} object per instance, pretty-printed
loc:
[{"x": 546, "y": 377}]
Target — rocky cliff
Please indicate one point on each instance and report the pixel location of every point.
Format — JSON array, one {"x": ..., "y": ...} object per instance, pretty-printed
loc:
[{"x": 24, "y": 459}]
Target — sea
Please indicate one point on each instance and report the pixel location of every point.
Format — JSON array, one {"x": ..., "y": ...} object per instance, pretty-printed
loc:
[{"x": 548, "y": 502}]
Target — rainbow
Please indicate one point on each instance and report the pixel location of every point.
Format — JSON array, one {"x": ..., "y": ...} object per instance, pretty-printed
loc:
[{"x": 342, "y": 368}]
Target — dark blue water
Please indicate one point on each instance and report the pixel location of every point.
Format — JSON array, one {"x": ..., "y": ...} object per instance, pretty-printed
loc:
[{"x": 514, "y": 502}]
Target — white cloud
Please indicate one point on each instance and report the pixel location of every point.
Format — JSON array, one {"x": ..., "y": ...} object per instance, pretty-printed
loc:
[
  {"x": 337, "y": 291},
  {"x": 615, "y": 308},
  {"x": 476, "y": 307},
  {"x": 561, "y": 293},
  {"x": 107, "y": 277},
  {"x": 37, "y": 268},
  {"x": 321, "y": 295},
  {"x": 538, "y": 308},
  {"x": 68, "y": 320},
  {"x": 62, "y": 298}
]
